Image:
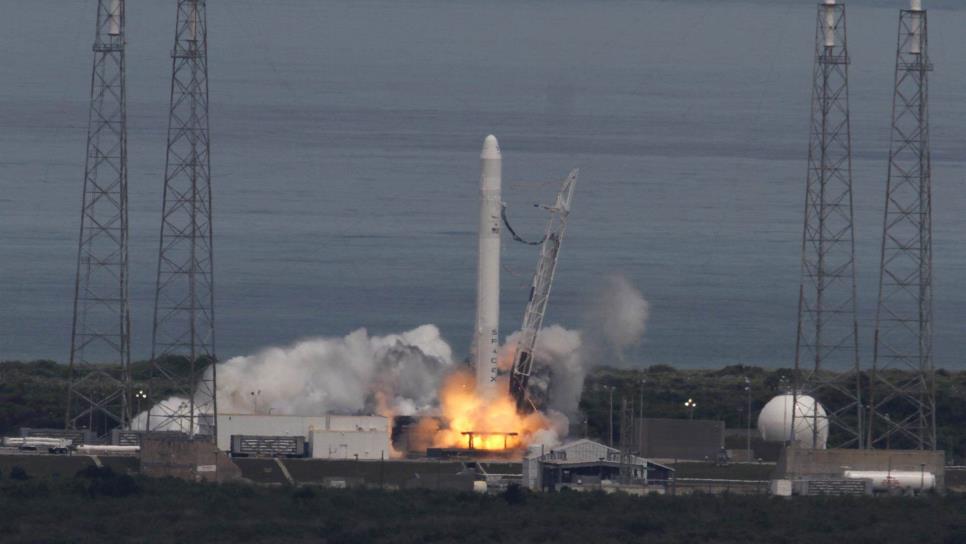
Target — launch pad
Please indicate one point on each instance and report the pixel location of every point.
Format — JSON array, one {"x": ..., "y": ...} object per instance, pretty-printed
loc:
[{"x": 471, "y": 435}]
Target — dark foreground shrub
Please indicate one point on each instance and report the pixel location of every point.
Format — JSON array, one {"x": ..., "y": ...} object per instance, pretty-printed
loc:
[
  {"x": 303, "y": 493},
  {"x": 515, "y": 494},
  {"x": 103, "y": 481},
  {"x": 18, "y": 473}
]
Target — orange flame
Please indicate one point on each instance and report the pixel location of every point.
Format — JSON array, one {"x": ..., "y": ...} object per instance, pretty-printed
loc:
[{"x": 491, "y": 421}]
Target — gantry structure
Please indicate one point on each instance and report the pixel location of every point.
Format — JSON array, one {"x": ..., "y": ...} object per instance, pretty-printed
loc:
[
  {"x": 826, "y": 348},
  {"x": 99, "y": 380},
  {"x": 183, "y": 336},
  {"x": 902, "y": 398}
]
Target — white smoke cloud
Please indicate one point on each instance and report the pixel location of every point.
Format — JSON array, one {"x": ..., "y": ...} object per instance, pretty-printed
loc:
[
  {"x": 616, "y": 320},
  {"x": 171, "y": 414},
  {"x": 398, "y": 374},
  {"x": 618, "y": 315},
  {"x": 401, "y": 374}
]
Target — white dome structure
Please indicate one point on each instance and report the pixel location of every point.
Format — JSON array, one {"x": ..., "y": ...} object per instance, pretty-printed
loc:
[{"x": 775, "y": 420}]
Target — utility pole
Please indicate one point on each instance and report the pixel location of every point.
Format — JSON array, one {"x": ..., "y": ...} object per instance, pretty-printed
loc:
[
  {"x": 826, "y": 346},
  {"x": 99, "y": 379},
  {"x": 183, "y": 338},
  {"x": 903, "y": 325},
  {"x": 748, "y": 432},
  {"x": 640, "y": 422},
  {"x": 610, "y": 418}
]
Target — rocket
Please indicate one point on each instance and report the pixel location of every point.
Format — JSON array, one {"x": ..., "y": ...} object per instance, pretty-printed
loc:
[{"x": 486, "y": 339}]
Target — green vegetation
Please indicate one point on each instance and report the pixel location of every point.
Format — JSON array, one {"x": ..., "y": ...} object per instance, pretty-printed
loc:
[
  {"x": 101, "y": 506},
  {"x": 34, "y": 394}
]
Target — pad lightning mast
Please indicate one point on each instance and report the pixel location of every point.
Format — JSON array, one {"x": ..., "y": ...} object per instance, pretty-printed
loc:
[
  {"x": 97, "y": 395},
  {"x": 826, "y": 349},
  {"x": 183, "y": 339},
  {"x": 903, "y": 402},
  {"x": 540, "y": 295}
]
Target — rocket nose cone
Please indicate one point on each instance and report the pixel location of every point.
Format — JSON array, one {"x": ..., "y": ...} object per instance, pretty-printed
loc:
[{"x": 491, "y": 148}]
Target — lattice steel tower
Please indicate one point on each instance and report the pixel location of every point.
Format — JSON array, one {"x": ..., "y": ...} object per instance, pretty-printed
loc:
[
  {"x": 903, "y": 392},
  {"x": 99, "y": 376},
  {"x": 183, "y": 340},
  {"x": 826, "y": 349}
]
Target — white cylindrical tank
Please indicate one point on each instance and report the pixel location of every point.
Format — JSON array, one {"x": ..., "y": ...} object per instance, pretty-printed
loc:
[
  {"x": 775, "y": 421},
  {"x": 114, "y": 18},
  {"x": 915, "y": 27},
  {"x": 97, "y": 448},
  {"x": 486, "y": 338},
  {"x": 829, "y": 12},
  {"x": 905, "y": 479}
]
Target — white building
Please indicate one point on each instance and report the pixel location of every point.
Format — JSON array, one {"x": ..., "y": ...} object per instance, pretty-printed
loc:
[
  {"x": 579, "y": 463},
  {"x": 355, "y": 444},
  {"x": 350, "y": 435}
]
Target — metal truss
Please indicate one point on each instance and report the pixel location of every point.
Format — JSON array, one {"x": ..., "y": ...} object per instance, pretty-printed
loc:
[
  {"x": 526, "y": 399},
  {"x": 903, "y": 402},
  {"x": 99, "y": 367},
  {"x": 826, "y": 349},
  {"x": 183, "y": 339}
]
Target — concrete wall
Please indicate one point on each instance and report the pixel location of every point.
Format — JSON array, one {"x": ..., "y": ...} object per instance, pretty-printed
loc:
[
  {"x": 349, "y": 444},
  {"x": 264, "y": 425},
  {"x": 695, "y": 439},
  {"x": 797, "y": 462},
  {"x": 186, "y": 459},
  {"x": 358, "y": 423},
  {"x": 285, "y": 425}
]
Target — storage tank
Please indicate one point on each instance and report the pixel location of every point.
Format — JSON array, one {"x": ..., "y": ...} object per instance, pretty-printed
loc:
[
  {"x": 883, "y": 480},
  {"x": 775, "y": 420}
]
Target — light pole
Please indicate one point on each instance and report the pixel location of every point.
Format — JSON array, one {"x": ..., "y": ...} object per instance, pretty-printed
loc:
[
  {"x": 138, "y": 396},
  {"x": 690, "y": 405},
  {"x": 610, "y": 418},
  {"x": 783, "y": 389},
  {"x": 255, "y": 395},
  {"x": 181, "y": 416},
  {"x": 748, "y": 435},
  {"x": 640, "y": 422}
]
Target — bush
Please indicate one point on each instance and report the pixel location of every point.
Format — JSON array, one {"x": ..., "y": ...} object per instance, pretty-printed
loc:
[
  {"x": 103, "y": 481},
  {"x": 514, "y": 494},
  {"x": 303, "y": 493},
  {"x": 18, "y": 473}
]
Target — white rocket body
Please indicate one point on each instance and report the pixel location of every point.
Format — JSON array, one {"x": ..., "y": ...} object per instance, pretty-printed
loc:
[{"x": 486, "y": 340}]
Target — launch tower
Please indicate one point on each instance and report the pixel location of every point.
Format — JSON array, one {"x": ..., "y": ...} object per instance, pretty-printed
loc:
[
  {"x": 98, "y": 394},
  {"x": 826, "y": 349},
  {"x": 540, "y": 296},
  {"x": 903, "y": 402},
  {"x": 183, "y": 339}
]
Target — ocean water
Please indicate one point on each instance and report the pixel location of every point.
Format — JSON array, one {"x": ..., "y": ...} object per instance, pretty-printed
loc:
[{"x": 346, "y": 137}]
